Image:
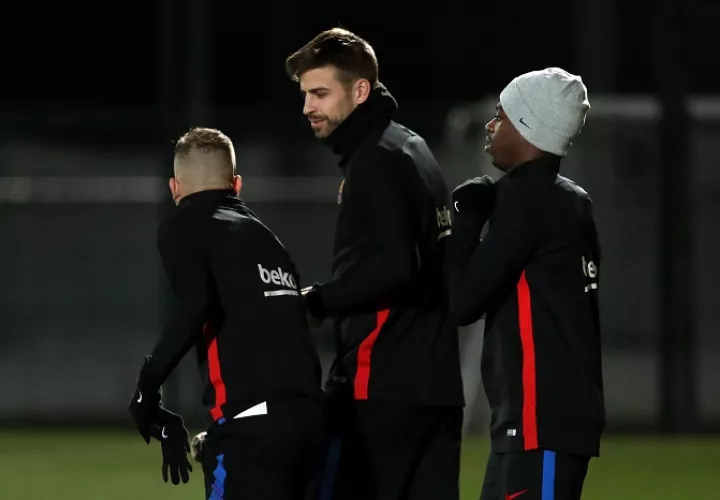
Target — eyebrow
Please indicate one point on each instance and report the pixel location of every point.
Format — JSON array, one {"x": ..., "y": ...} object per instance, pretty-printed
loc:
[{"x": 314, "y": 90}]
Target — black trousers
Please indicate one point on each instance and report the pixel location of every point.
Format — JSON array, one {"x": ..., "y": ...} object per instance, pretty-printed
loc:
[
  {"x": 534, "y": 475},
  {"x": 275, "y": 456},
  {"x": 392, "y": 451}
]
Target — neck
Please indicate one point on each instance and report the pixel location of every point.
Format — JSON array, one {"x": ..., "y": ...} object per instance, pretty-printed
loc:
[
  {"x": 526, "y": 157},
  {"x": 375, "y": 113},
  {"x": 542, "y": 163}
]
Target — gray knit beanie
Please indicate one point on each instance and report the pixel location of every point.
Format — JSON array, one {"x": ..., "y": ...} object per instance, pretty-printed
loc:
[{"x": 548, "y": 108}]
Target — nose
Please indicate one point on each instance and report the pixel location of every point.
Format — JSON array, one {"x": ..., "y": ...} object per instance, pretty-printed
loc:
[
  {"x": 490, "y": 126},
  {"x": 308, "y": 106}
]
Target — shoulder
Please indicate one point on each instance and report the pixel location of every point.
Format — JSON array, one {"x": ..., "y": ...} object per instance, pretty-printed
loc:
[
  {"x": 241, "y": 225},
  {"x": 173, "y": 226},
  {"x": 184, "y": 225},
  {"x": 395, "y": 137},
  {"x": 552, "y": 199},
  {"x": 518, "y": 189},
  {"x": 176, "y": 237},
  {"x": 520, "y": 200},
  {"x": 573, "y": 188},
  {"x": 403, "y": 144},
  {"x": 229, "y": 224},
  {"x": 399, "y": 150}
]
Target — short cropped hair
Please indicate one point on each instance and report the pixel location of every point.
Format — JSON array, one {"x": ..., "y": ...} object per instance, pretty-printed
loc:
[
  {"x": 352, "y": 56},
  {"x": 206, "y": 140}
]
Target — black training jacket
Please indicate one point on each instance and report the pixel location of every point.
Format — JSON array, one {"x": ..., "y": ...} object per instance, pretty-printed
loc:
[
  {"x": 535, "y": 276},
  {"x": 387, "y": 294},
  {"x": 236, "y": 299}
]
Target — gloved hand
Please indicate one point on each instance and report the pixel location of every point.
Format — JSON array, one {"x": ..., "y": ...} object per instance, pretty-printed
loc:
[
  {"x": 144, "y": 407},
  {"x": 314, "y": 304},
  {"x": 473, "y": 203},
  {"x": 173, "y": 436},
  {"x": 475, "y": 198}
]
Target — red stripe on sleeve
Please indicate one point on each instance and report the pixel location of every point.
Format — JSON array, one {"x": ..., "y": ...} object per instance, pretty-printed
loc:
[{"x": 529, "y": 383}]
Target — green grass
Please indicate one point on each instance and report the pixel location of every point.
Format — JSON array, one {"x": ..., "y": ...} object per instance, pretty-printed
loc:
[{"x": 97, "y": 465}]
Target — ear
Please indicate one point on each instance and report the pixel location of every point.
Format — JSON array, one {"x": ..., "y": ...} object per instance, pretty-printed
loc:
[
  {"x": 237, "y": 184},
  {"x": 361, "y": 90},
  {"x": 174, "y": 189}
]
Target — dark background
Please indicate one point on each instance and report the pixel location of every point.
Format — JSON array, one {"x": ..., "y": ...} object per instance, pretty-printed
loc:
[{"x": 444, "y": 53}]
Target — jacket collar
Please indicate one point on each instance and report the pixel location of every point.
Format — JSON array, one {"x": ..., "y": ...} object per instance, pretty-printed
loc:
[
  {"x": 547, "y": 164},
  {"x": 367, "y": 118},
  {"x": 209, "y": 197}
]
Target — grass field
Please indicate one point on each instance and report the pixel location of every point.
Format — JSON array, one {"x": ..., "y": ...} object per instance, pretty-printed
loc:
[{"x": 97, "y": 465}]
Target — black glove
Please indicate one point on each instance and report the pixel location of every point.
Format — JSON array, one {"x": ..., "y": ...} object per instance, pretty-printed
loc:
[
  {"x": 173, "y": 436},
  {"x": 473, "y": 203},
  {"x": 144, "y": 407},
  {"x": 315, "y": 304},
  {"x": 475, "y": 198}
]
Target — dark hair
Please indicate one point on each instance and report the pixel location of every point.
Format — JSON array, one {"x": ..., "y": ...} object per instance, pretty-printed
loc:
[
  {"x": 352, "y": 56},
  {"x": 206, "y": 140}
]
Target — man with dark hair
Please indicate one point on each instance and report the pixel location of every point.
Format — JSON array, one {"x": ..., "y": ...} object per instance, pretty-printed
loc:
[
  {"x": 237, "y": 301},
  {"x": 395, "y": 384},
  {"x": 346, "y": 57},
  {"x": 535, "y": 276}
]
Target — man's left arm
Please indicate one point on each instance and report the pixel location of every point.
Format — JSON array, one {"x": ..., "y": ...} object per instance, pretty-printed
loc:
[
  {"x": 480, "y": 271},
  {"x": 389, "y": 261}
]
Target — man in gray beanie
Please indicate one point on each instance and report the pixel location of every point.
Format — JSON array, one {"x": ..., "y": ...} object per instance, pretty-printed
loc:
[{"x": 535, "y": 277}]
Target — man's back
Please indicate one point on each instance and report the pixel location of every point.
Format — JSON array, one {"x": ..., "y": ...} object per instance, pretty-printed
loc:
[
  {"x": 256, "y": 344},
  {"x": 541, "y": 357}
]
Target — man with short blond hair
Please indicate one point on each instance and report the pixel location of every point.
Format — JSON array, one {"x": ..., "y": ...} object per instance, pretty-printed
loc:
[{"x": 237, "y": 300}]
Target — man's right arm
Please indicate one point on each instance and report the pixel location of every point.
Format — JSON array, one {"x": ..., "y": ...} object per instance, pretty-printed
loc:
[
  {"x": 187, "y": 270},
  {"x": 389, "y": 260},
  {"x": 480, "y": 269}
]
